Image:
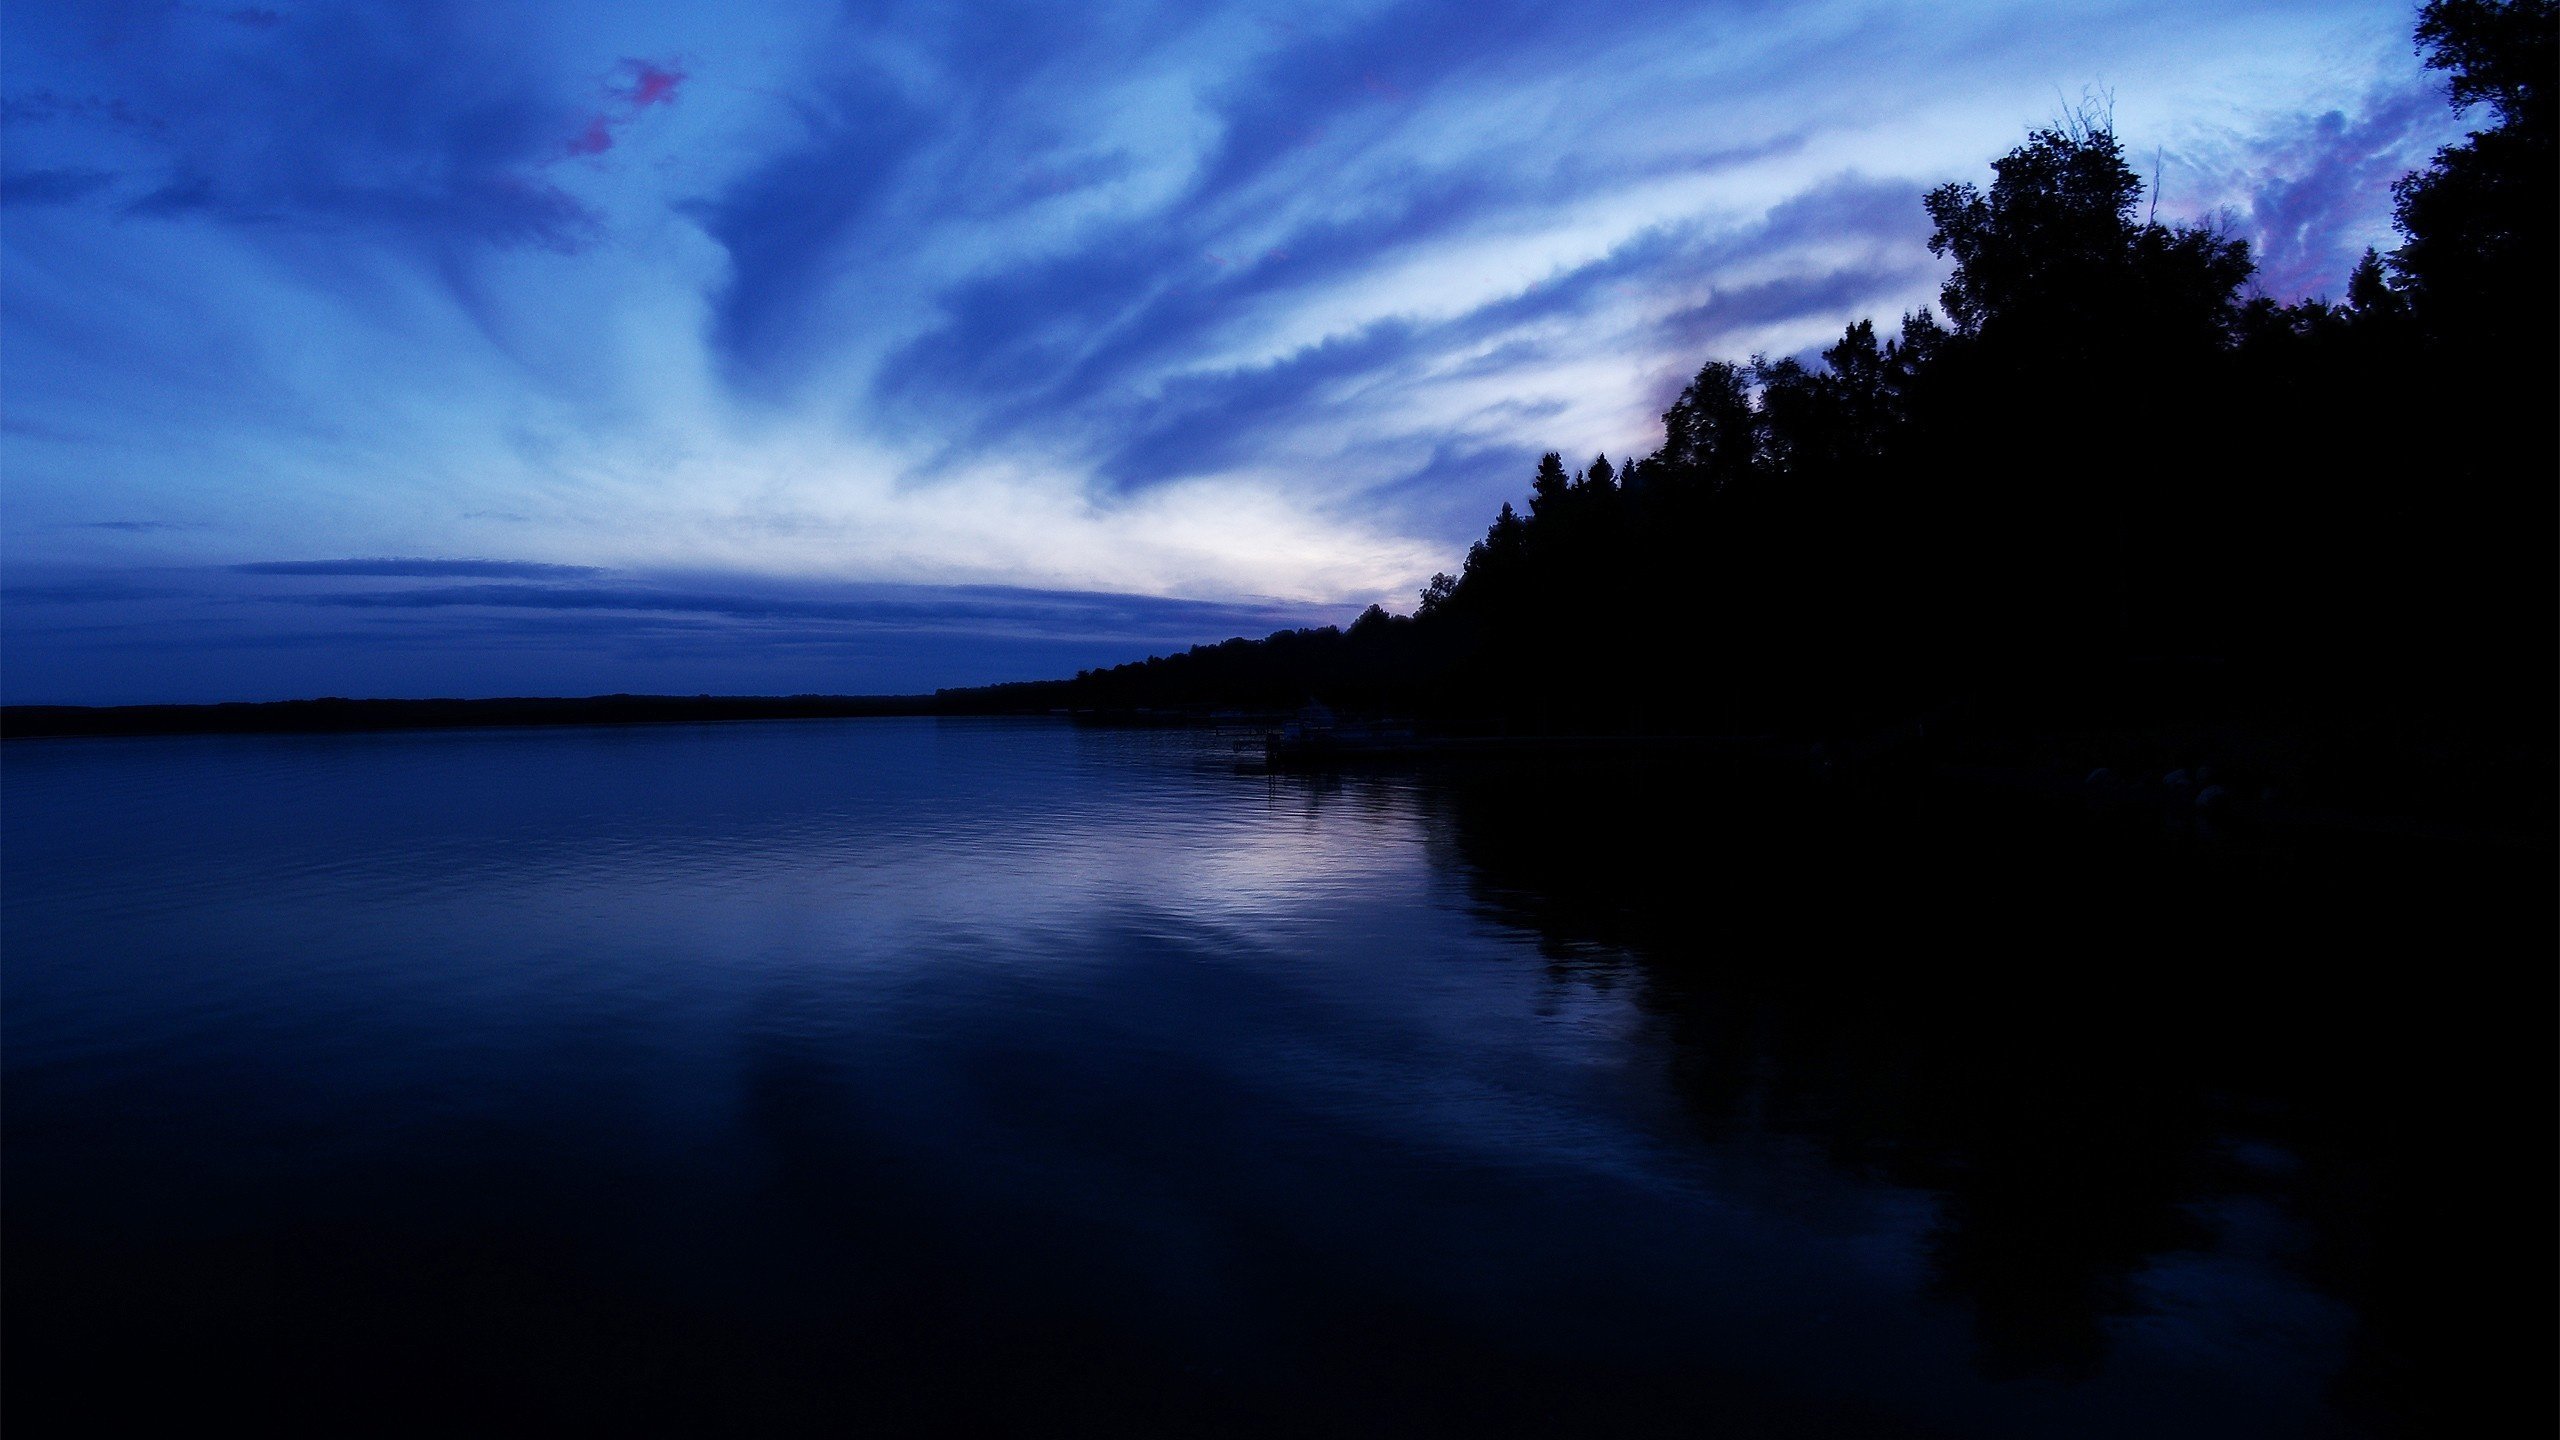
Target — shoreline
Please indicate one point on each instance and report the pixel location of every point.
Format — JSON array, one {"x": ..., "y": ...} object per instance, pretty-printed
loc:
[
  {"x": 1893, "y": 759},
  {"x": 337, "y": 716}
]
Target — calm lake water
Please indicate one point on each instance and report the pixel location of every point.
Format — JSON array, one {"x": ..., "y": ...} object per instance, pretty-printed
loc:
[{"x": 904, "y": 1074}]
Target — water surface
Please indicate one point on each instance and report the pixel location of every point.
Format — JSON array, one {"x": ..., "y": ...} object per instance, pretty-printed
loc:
[{"x": 945, "y": 1075}]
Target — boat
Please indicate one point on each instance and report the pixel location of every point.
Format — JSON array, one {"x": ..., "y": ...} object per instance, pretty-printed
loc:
[{"x": 1317, "y": 739}]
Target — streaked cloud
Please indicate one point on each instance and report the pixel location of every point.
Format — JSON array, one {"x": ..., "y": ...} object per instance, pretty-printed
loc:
[
  {"x": 1250, "y": 309},
  {"x": 524, "y": 569},
  {"x": 52, "y": 187},
  {"x": 247, "y": 632}
]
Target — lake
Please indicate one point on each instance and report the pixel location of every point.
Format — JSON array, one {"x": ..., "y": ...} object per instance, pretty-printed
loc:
[{"x": 971, "y": 1076}]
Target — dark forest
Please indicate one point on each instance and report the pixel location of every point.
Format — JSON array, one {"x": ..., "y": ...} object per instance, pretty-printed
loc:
[{"x": 2105, "y": 486}]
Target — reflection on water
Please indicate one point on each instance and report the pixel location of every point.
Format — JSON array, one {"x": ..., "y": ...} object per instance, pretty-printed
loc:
[{"x": 952, "y": 1074}]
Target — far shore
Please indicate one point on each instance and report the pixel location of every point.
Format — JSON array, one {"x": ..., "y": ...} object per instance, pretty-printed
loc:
[
  {"x": 337, "y": 716},
  {"x": 1946, "y": 759}
]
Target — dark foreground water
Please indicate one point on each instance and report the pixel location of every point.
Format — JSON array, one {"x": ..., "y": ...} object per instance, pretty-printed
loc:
[{"x": 894, "y": 1075}]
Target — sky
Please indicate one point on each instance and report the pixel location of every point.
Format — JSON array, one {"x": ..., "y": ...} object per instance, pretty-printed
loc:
[{"x": 478, "y": 349}]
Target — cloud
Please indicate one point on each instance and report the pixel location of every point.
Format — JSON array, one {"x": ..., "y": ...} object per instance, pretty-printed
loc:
[
  {"x": 1141, "y": 273},
  {"x": 1443, "y": 491},
  {"x": 527, "y": 569},
  {"x": 596, "y": 139},
  {"x": 965, "y": 610},
  {"x": 249, "y": 17},
  {"x": 179, "y": 195},
  {"x": 784, "y": 224},
  {"x": 2313, "y": 191},
  {"x": 1714, "y": 327},
  {"x": 40, "y": 106},
  {"x": 1208, "y": 420},
  {"x": 424, "y": 123},
  {"x": 86, "y": 589},
  {"x": 129, "y": 635},
  {"x": 1212, "y": 420},
  {"x": 638, "y": 84},
  {"x": 52, "y": 187},
  {"x": 39, "y": 430},
  {"x": 650, "y": 84},
  {"x": 1207, "y": 302}
]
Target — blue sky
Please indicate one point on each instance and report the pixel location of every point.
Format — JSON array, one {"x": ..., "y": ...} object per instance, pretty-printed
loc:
[{"x": 477, "y": 349}]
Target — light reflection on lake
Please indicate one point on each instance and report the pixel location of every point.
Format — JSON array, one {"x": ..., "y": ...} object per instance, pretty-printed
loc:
[{"x": 951, "y": 1074}]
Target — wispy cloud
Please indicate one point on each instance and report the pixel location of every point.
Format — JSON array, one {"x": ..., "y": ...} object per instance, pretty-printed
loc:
[
  {"x": 135, "y": 527},
  {"x": 52, "y": 187},
  {"x": 523, "y": 569},
  {"x": 637, "y": 85},
  {"x": 1208, "y": 302},
  {"x": 2312, "y": 191},
  {"x": 107, "y": 635},
  {"x": 426, "y": 123}
]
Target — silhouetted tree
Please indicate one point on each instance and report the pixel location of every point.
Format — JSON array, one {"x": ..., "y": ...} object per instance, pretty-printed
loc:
[
  {"x": 2106, "y": 452},
  {"x": 1710, "y": 432},
  {"x": 1548, "y": 489},
  {"x": 2479, "y": 223}
]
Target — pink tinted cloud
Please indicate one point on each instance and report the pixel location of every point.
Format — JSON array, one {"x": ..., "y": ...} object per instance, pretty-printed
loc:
[
  {"x": 641, "y": 84},
  {"x": 652, "y": 84},
  {"x": 596, "y": 139}
]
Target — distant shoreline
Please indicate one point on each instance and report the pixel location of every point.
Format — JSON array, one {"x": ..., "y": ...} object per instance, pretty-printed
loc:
[{"x": 332, "y": 716}]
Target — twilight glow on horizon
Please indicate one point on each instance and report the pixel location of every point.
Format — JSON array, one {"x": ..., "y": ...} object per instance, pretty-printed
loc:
[{"x": 429, "y": 349}]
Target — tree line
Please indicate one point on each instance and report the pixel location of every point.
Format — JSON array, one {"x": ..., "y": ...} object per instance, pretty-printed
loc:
[{"x": 2100, "y": 449}]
